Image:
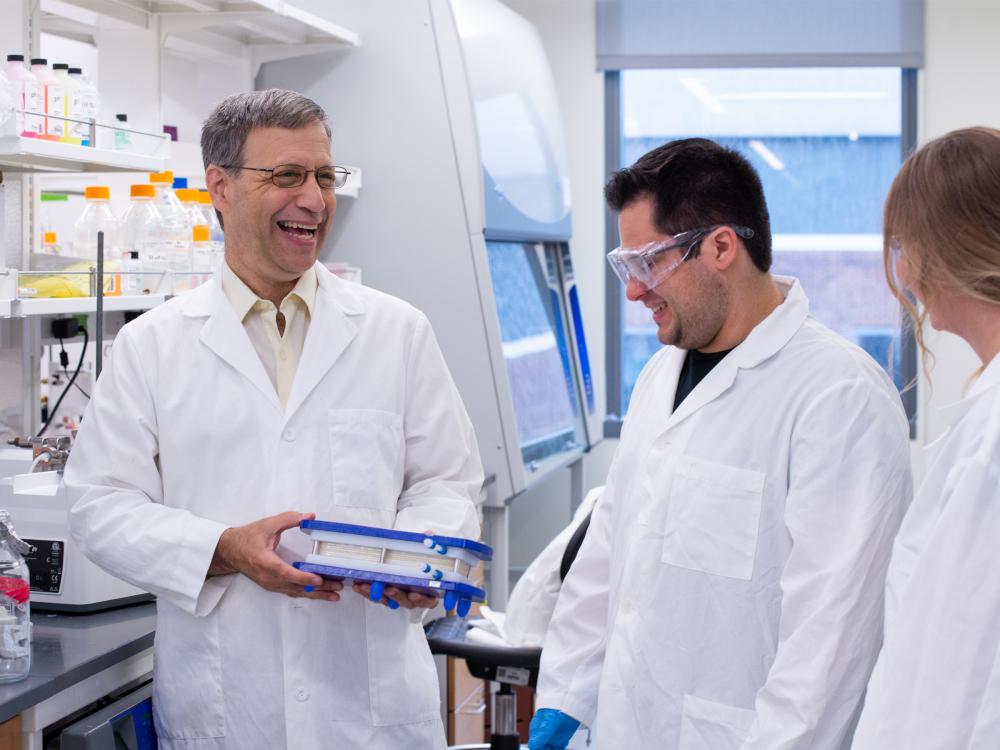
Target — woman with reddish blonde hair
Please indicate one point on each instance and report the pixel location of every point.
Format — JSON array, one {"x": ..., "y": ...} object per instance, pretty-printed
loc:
[{"x": 937, "y": 680}]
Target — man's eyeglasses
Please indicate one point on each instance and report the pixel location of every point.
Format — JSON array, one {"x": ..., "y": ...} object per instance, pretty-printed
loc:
[
  {"x": 650, "y": 265},
  {"x": 293, "y": 175}
]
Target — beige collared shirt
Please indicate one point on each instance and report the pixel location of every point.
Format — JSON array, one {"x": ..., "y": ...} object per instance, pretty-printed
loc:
[{"x": 279, "y": 352}]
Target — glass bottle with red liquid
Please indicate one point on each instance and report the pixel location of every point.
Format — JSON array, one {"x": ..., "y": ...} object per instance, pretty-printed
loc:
[{"x": 15, "y": 609}]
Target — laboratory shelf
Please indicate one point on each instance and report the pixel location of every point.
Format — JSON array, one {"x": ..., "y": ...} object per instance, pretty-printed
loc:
[
  {"x": 35, "y": 155},
  {"x": 20, "y": 308},
  {"x": 259, "y": 30}
]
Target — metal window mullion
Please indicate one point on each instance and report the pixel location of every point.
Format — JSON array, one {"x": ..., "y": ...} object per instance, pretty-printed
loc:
[
  {"x": 612, "y": 288},
  {"x": 907, "y": 338}
]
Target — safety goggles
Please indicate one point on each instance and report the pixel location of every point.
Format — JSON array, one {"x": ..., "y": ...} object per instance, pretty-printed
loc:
[{"x": 651, "y": 264}]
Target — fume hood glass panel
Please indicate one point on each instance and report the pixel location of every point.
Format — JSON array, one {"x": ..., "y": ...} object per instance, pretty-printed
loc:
[{"x": 536, "y": 349}]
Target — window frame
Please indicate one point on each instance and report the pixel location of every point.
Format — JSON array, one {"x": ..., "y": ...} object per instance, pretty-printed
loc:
[{"x": 613, "y": 146}]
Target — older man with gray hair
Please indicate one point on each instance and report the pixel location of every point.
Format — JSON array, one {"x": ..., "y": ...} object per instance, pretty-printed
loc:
[{"x": 274, "y": 386}]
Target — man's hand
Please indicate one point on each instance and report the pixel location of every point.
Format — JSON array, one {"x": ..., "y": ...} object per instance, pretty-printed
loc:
[
  {"x": 250, "y": 550},
  {"x": 395, "y": 598}
]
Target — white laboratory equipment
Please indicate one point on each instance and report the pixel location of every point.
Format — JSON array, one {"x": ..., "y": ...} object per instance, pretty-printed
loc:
[{"x": 62, "y": 578}]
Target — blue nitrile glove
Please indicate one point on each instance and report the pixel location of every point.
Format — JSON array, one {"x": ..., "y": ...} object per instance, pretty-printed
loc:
[{"x": 551, "y": 729}]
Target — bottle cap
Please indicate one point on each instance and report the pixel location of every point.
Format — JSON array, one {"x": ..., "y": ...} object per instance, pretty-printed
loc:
[
  {"x": 133, "y": 254},
  {"x": 180, "y": 183},
  {"x": 78, "y": 71},
  {"x": 121, "y": 118},
  {"x": 49, "y": 238},
  {"x": 204, "y": 198},
  {"x": 142, "y": 191},
  {"x": 60, "y": 66},
  {"x": 159, "y": 178},
  {"x": 39, "y": 61},
  {"x": 15, "y": 58},
  {"x": 98, "y": 192},
  {"x": 187, "y": 195},
  {"x": 199, "y": 233}
]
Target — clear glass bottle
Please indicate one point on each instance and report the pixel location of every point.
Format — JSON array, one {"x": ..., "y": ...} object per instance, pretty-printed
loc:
[
  {"x": 15, "y": 607},
  {"x": 131, "y": 273},
  {"x": 96, "y": 217},
  {"x": 215, "y": 236},
  {"x": 123, "y": 138},
  {"x": 177, "y": 227},
  {"x": 50, "y": 244},
  {"x": 143, "y": 233},
  {"x": 51, "y": 99}
]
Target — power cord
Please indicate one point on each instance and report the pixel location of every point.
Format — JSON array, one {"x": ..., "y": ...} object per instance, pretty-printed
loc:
[
  {"x": 64, "y": 358},
  {"x": 64, "y": 361}
]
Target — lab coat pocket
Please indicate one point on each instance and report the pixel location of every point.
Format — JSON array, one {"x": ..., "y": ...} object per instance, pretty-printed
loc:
[
  {"x": 366, "y": 458},
  {"x": 403, "y": 682},
  {"x": 707, "y": 725},
  {"x": 188, "y": 701},
  {"x": 713, "y": 518}
]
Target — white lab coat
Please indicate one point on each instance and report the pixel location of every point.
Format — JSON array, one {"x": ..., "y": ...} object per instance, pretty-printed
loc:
[
  {"x": 937, "y": 682},
  {"x": 729, "y": 590},
  {"x": 186, "y": 436}
]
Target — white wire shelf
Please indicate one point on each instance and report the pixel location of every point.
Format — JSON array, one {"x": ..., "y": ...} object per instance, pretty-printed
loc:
[{"x": 22, "y": 308}]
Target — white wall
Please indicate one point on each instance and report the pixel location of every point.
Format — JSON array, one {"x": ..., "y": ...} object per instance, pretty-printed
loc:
[
  {"x": 957, "y": 88},
  {"x": 567, "y": 31}
]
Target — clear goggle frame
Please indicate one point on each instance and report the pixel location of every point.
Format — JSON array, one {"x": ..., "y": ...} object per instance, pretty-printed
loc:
[{"x": 651, "y": 264}]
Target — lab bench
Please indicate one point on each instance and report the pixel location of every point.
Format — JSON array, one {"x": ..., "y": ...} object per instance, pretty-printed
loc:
[{"x": 75, "y": 660}]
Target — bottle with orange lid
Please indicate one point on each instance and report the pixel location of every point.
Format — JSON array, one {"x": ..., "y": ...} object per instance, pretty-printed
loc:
[
  {"x": 142, "y": 234},
  {"x": 96, "y": 217},
  {"x": 50, "y": 244},
  {"x": 201, "y": 252},
  {"x": 176, "y": 227},
  {"x": 211, "y": 220}
]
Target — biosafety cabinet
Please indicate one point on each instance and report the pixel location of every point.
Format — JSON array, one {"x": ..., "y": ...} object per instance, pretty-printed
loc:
[{"x": 451, "y": 109}]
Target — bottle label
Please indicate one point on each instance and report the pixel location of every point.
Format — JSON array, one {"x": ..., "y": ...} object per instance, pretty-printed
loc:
[
  {"x": 15, "y": 588},
  {"x": 34, "y": 102},
  {"x": 55, "y": 104},
  {"x": 14, "y": 642}
]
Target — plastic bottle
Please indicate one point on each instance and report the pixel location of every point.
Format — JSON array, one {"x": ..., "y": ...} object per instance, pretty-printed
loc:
[
  {"x": 27, "y": 97},
  {"x": 201, "y": 250},
  {"x": 123, "y": 139},
  {"x": 176, "y": 227},
  {"x": 15, "y": 607},
  {"x": 52, "y": 99},
  {"x": 73, "y": 102},
  {"x": 50, "y": 246},
  {"x": 189, "y": 199},
  {"x": 142, "y": 232},
  {"x": 211, "y": 220},
  {"x": 7, "y": 98},
  {"x": 60, "y": 72},
  {"x": 131, "y": 273},
  {"x": 96, "y": 217},
  {"x": 88, "y": 104}
]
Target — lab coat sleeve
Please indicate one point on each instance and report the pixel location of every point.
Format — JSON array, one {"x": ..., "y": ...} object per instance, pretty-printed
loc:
[
  {"x": 574, "y": 647},
  {"x": 849, "y": 485},
  {"x": 443, "y": 474},
  {"x": 118, "y": 518}
]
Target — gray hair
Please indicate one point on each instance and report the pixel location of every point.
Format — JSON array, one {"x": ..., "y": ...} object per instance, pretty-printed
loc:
[{"x": 225, "y": 132}]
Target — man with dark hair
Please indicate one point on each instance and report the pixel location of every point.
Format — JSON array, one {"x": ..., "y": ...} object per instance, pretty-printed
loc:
[
  {"x": 728, "y": 595},
  {"x": 272, "y": 387}
]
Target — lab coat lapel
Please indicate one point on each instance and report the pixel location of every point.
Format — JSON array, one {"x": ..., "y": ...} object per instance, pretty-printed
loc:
[
  {"x": 764, "y": 341},
  {"x": 224, "y": 334},
  {"x": 331, "y": 331}
]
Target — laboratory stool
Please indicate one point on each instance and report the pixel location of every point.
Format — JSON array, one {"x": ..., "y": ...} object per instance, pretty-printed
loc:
[{"x": 505, "y": 665}]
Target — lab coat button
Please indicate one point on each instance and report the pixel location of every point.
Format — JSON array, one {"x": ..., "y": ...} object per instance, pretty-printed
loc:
[
  {"x": 288, "y": 435},
  {"x": 282, "y": 354},
  {"x": 301, "y": 695}
]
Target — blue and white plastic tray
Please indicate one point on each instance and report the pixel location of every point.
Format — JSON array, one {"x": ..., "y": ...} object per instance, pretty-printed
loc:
[{"x": 427, "y": 563}]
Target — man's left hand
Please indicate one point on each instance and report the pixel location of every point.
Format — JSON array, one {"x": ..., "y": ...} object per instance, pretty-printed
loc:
[{"x": 399, "y": 597}]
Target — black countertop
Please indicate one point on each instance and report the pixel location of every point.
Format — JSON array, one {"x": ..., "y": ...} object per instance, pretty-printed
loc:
[{"x": 67, "y": 649}]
